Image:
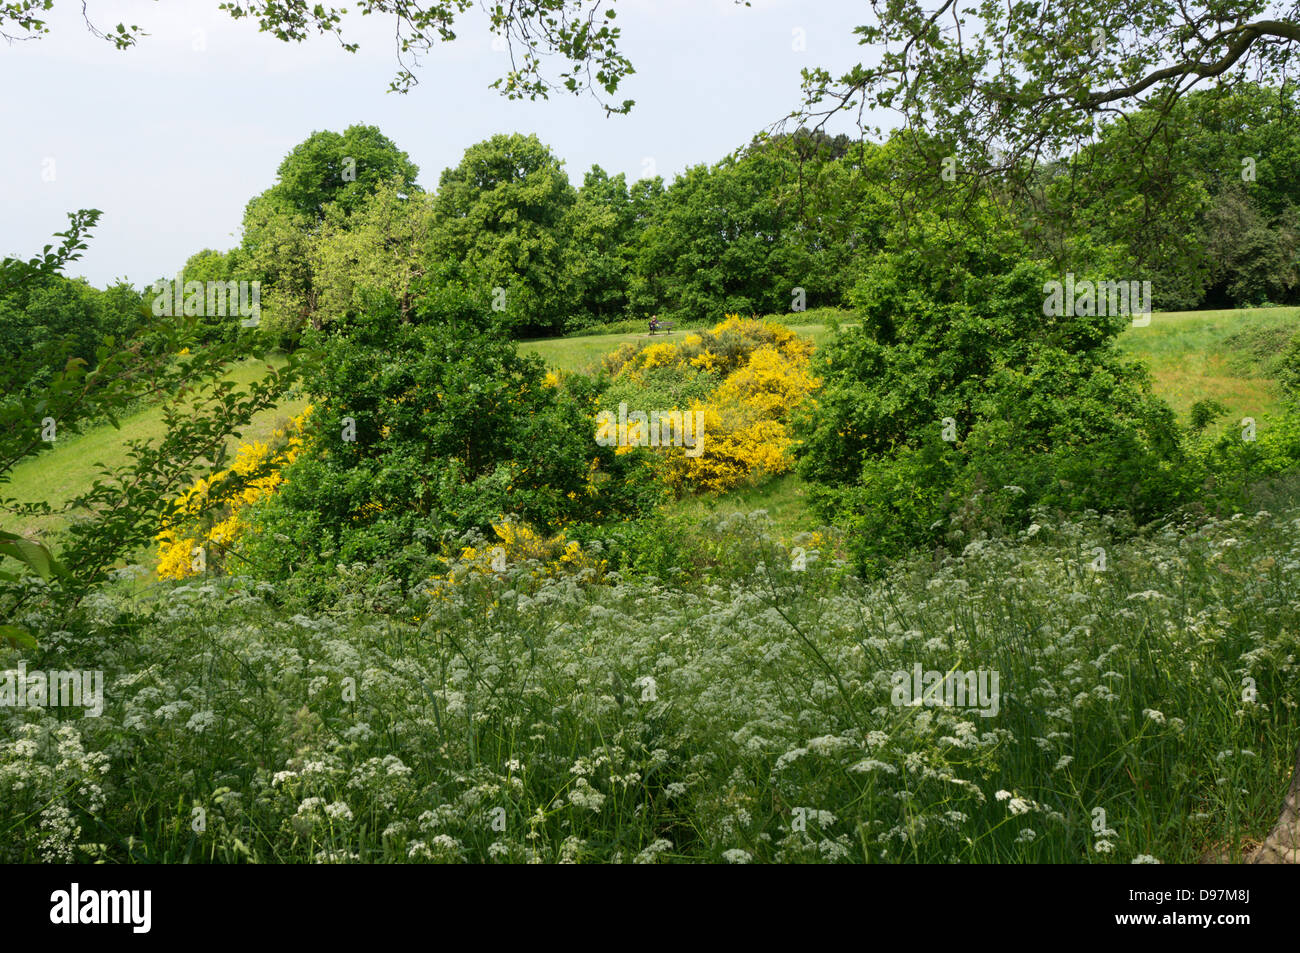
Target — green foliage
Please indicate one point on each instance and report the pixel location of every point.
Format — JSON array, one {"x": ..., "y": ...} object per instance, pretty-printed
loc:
[
  {"x": 1205, "y": 412},
  {"x": 208, "y": 265},
  {"x": 323, "y": 181},
  {"x": 53, "y": 319},
  {"x": 741, "y": 236},
  {"x": 958, "y": 415},
  {"x": 276, "y": 251},
  {"x": 1190, "y": 195},
  {"x": 120, "y": 512},
  {"x": 958, "y": 406},
  {"x": 788, "y": 223},
  {"x": 578, "y": 32},
  {"x": 379, "y": 247},
  {"x": 1248, "y": 453},
  {"x": 453, "y": 431},
  {"x": 48, "y": 320},
  {"x": 340, "y": 169},
  {"x": 498, "y": 225},
  {"x": 603, "y": 230},
  {"x": 1288, "y": 374},
  {"x": 23, "y": 414}
]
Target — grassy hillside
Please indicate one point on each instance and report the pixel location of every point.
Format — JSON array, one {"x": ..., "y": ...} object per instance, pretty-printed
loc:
[
  {"x": 1222, "y": 355},
  {"x": 724, "y": 699},
  {"x": 69, "y": 469},
  {"x": 1226, "y": 356}
]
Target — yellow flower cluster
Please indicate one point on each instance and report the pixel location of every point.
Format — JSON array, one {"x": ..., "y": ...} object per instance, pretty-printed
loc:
[
  {"x": 771, "y": 383},
  {"x": 735, "y": 452},
  {"x": 706, "y": 361},
  {"x": 765, "y": 374},
  {"x": 517, "y": 543},
  {"x": 212, "y": 511},
  {"x": 658, "y": 355},
  {"x": 721, "y": 349}
]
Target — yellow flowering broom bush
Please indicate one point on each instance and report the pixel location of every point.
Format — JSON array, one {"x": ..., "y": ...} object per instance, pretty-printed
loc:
[
  {"x": 203, "y": 523},
  {"x": 724, "y": 348},
  {"x": 744, "y": 375}
]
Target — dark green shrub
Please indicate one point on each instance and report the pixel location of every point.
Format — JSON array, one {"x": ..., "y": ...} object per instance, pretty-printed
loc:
[
  {"x": 959, "y": 406},
  {"x": 1205, "y": 412},
  {"x": 425, "y": 430}
]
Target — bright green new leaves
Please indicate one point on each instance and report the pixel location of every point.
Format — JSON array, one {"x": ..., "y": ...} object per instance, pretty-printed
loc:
[
  {"x": 381, "y": 246},
  {"x": 327, "y": 171},
  {"x": 38, "y": 560},
  {"x": 31, "y": 554},
  {"x": 343, "y": 169}
]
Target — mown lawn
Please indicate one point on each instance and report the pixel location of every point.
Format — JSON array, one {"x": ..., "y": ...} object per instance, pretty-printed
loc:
[{"x": 582, "y": 353}]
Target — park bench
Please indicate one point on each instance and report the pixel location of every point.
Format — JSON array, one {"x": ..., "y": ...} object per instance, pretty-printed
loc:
[{"x": 662, "y": 326}]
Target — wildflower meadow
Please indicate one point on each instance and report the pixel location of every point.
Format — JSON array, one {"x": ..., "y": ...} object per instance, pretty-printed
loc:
[{"x": 910, "y": 480}]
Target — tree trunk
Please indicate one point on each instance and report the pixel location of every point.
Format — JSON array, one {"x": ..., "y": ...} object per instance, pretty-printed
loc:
[{"x": 1282, "y": 846}]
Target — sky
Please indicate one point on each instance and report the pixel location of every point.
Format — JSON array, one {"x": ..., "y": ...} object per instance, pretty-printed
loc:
[{"x": 172, "y": 137}]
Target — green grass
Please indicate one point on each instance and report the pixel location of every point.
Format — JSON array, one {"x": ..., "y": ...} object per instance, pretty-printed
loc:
[
  {"x": 783, "y": 498},
  {"x": 1226, "y": 356},
  {"x": 72, "y": 466}
]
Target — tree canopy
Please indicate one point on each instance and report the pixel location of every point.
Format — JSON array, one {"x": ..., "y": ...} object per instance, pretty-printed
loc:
[{"x": 580, "y": 33}]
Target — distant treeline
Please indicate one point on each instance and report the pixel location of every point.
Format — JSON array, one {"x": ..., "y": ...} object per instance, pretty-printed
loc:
[{"x": 792, "y": 221}]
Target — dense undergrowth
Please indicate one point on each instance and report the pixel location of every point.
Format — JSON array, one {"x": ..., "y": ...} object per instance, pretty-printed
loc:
[{"x": 573, "y": 712}]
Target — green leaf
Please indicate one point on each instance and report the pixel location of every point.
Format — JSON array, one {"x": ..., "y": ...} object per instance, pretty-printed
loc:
[
  {"x": 18, "y": 636},
  {"x": 34, "y": 555}
]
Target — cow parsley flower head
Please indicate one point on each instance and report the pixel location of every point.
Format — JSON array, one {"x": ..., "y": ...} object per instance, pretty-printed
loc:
[
  {"x": 201, "y": 722},
  {"x": 338, "y": 811},
  {"x": 651, "y": 854},
  {"x": 585, "y": 796}
]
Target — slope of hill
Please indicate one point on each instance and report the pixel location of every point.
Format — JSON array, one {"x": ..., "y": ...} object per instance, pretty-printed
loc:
[{"x": 1222, "y": 355}]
